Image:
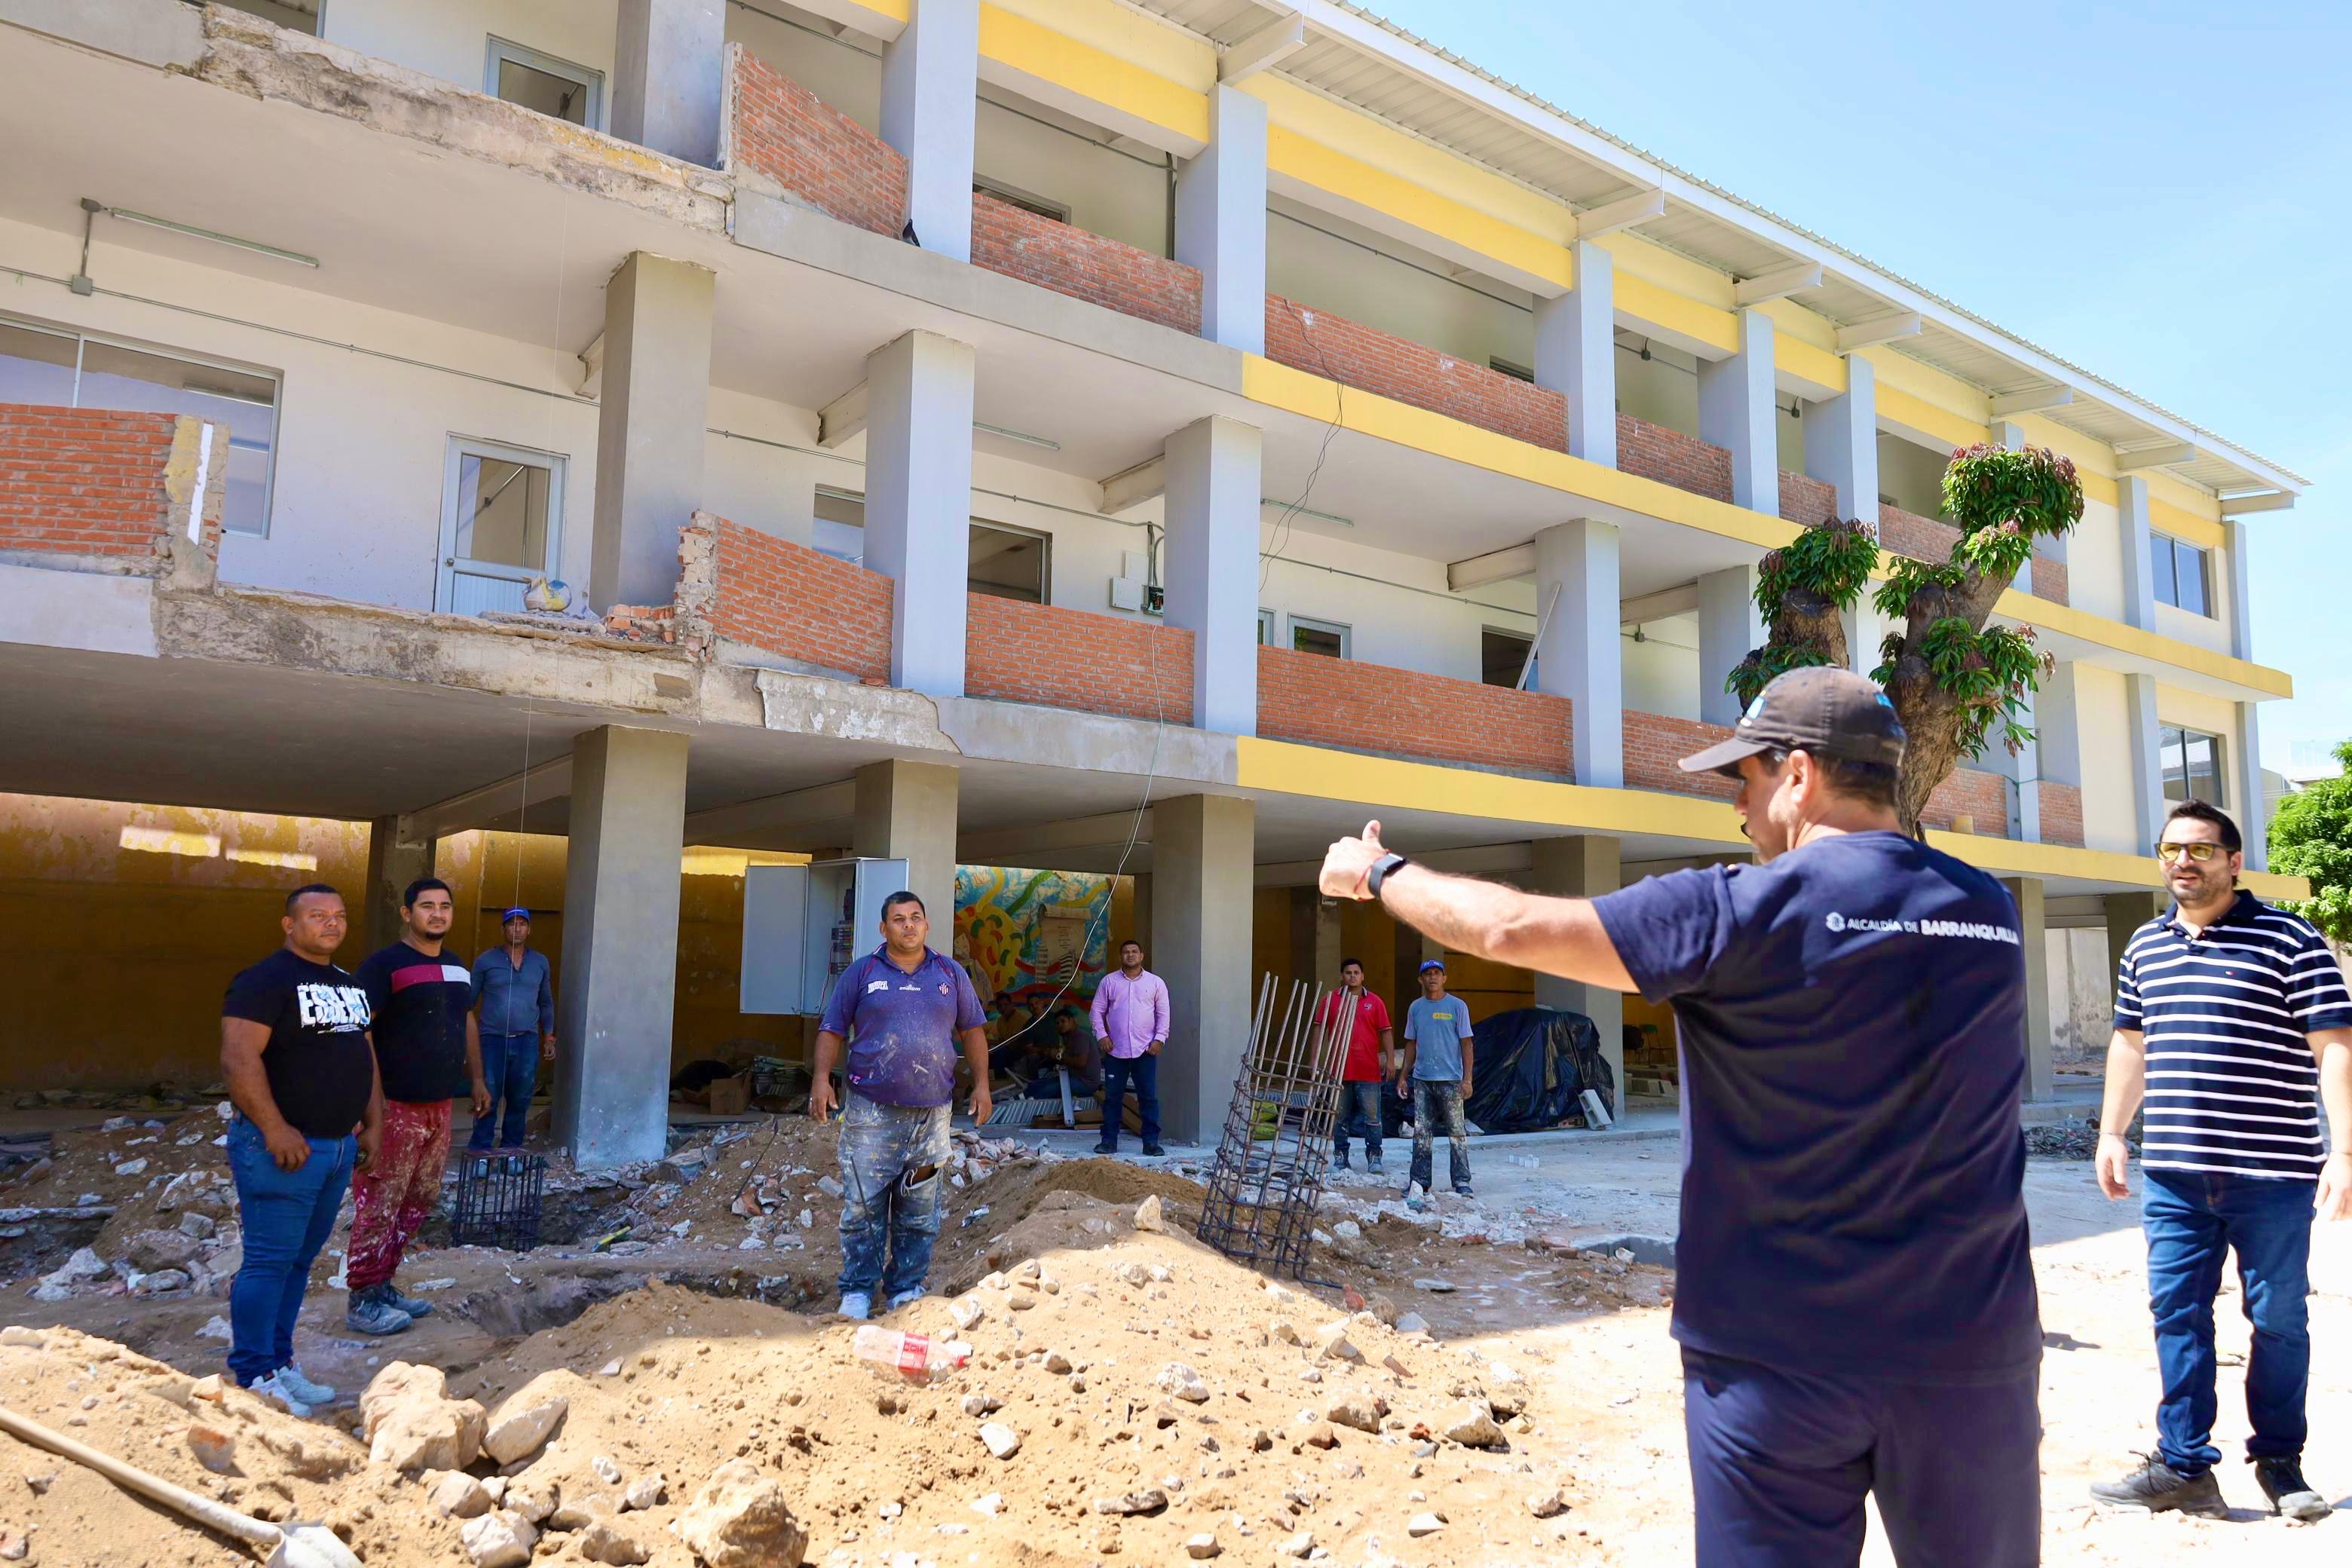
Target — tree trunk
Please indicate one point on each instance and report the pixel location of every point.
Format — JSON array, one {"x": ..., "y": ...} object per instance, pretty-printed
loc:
[{"x": 1931, "y": 715}]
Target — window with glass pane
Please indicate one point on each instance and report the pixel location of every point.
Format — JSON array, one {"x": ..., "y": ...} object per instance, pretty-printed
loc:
[
  {"x": 1325, "y": 637},
  {"x": 502, "y": 511},
  {"x": 1501, "y": 657},
  {"x": 555, "y": 87},
  {"x": 2188, "y": 578},
  {"x": 37, "y": 366},
  {"x": 841, "y": 525},
  {"x": 1007, "y": 563},
  {"x": 2162, "y": 558},
  {"x": 2192, "y": 764},
  {"x": 1266, "y": 628}
]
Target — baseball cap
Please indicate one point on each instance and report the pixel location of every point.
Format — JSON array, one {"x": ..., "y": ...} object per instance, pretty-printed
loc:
[
  {"x": 1429, "y": 964},
  {"x": 1827, "y": 711},
  {"x": 512, "y": 913}
]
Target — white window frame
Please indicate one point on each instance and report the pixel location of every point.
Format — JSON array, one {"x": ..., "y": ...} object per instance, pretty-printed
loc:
[
  {"x": 82, "y": 340},
  {"x": 1346, "y": 634},
  {"x": 460, "y": 448},
  {"x": 1266, "y": 628},
  {"x": 1044, "y": 556},
  {"x": 2188, "y": 733},
  {"x": 2204, "y": 559},
  {"x": 1029, "y": 201},
  {"x": 504, "y": 49}
]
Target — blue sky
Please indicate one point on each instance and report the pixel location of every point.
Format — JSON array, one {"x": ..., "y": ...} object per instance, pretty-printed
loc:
[{"x": 2156, "y": 191}]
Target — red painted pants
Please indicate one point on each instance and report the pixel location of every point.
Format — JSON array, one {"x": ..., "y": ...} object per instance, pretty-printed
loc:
[{"x": 391, "y": 1197}]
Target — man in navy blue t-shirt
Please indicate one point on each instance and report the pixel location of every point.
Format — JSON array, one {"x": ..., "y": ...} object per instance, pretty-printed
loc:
[{"x": 1855, "y": 1302}]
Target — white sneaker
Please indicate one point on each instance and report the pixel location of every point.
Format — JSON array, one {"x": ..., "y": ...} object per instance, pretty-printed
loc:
[
  {"x": 857, "y": 1305},
  {"x": 274, "y": 1386},
  {"x": 905, "y": 1298},
  {"x": 303, "y": 1386}
]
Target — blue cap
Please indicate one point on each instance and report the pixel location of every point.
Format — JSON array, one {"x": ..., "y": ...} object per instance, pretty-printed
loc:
[
  {"x": 511, "y": 914},
  {"x": 1429, "y": 964}
]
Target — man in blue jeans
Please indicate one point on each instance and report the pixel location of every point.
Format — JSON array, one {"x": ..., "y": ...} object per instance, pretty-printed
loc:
[
  {"x": 514, "y": 996},
  {"x": 901, "y": 1010},
  {"x": 301, "y": 1071},
  {"x": 2235, "y": 1019},
  {"x": 1130, "y": 1019}
]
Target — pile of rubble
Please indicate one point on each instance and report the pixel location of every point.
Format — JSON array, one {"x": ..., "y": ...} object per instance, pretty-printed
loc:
[{"x": 153, "y": 1199}]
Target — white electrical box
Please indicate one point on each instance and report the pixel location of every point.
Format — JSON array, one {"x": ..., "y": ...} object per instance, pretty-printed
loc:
[{"x": 804, "y": 924}]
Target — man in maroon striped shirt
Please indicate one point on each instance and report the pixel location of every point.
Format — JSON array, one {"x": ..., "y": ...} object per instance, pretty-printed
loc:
[{"x": 427, "y": 1050}]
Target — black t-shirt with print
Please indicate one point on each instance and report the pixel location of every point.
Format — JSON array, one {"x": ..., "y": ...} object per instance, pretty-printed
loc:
[
  {"x": 420, "y": 1003},
  {"x": 320, "y": 1068}
]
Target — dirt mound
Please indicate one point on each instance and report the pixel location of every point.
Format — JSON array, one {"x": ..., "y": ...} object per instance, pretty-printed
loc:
[{"x": 1108, "y": 1181}]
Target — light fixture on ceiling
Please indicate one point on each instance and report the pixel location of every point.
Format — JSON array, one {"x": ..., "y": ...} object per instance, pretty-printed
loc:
[
  {"x": 1026, "y": 439},
  {"x": 1307, "y": 512},
  {"x": 149, "y": 221}
]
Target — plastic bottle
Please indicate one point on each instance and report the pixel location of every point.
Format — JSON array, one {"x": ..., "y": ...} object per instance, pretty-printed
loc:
[{"x": 918, "y": 1358}]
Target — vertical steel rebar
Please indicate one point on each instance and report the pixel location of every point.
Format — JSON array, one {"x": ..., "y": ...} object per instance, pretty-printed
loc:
[{"x": 1267, "y": 1179}]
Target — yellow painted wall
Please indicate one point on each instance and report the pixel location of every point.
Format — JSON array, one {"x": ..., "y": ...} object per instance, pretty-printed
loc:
[{"x": 2110, "y": 816}]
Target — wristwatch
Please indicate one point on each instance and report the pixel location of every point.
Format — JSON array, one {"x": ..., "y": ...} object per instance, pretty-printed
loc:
[{"x": 1379, "y": 872}]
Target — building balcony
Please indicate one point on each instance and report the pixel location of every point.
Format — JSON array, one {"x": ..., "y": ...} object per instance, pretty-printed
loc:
[{"x": 1341, "y": 703}]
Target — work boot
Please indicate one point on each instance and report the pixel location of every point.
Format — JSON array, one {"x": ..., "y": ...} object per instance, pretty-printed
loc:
[
  {"x": 2291, "y": 1496},
  {"x": 1339, "y": 1161},
  {"x": 406, "y": 1303},
  {"x": 2157, "y": 1487},
  {"x": 370, "y": 1311},
  {"x": 1153, "y": 1151}
]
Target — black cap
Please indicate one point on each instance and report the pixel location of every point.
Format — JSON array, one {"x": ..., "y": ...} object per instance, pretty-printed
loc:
[{"x": 1827, "y": 712}]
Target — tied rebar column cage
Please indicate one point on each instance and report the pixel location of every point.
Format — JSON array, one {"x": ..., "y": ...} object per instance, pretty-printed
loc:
[
  {"x": 1268, "y": 1174},
  {"x": 500, "y": 1196}
]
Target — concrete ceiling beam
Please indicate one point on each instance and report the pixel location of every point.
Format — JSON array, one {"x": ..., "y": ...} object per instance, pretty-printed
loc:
[
  {"x": 490, "y": 803},
  {"x": 1622, "y": 213},
  {"x": 2009, "y": 404},
  {"x": 1779, "y": 283},
  {"x": 1262, "y": 50},
  {"x": 1879, "y": 330},
  {"x": 1496, "y": 566},
  {"x": 775, "y": 814},
  {"x": 2163, "y": 457},
  {"x": 1130, "y": 487},
  {"x": 842, "y": 418},
  {"x": 1022, "y": 846}
]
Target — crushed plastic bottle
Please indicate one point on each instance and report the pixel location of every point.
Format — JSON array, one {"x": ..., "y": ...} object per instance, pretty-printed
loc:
[{"x": 917, "y": 1358}]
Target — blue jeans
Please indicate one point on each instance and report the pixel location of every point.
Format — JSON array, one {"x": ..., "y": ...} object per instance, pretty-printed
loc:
[
  {"x": 511, "y": 1068},
  {"x": 288, "y": 1216},
  {"x": 1781, "y": 1462},
  {"x": 1436, "y": 1101},
  {"x": 881, "y": 1145},
  {"x": 2192, "y": 1219},
  {"x": 1360, "y": 1115},
  {"x": 1143, "y": 1072}
]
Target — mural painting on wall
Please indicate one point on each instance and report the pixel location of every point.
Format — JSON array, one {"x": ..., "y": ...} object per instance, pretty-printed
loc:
[{"x": 1021, "y": 934}]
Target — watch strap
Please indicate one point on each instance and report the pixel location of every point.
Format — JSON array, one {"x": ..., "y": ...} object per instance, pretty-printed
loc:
[{"x": 1380, "y": 870}]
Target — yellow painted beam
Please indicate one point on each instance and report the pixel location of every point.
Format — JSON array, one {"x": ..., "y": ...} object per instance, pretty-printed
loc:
[
  {"x": 1904, "y": 408},
  {"x": 1124, "y": 32},
  {"x": 1815, "y": 365},
  {"x": 1082, "y": 68},
  {"x": 2166, "y": 518},
  {"x": 2071, "y": 622},
  {"x": 1655, "y": 305}
]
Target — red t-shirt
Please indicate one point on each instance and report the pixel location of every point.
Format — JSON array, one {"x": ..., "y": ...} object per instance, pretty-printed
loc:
[{"x": 1363, "y": 1064}]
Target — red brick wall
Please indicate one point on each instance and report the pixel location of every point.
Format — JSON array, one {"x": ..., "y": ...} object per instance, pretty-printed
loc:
[
  {"x": 2049, "y": 580},
  {"x": 1355, "y": 355},
  {"x": 84, "y": 482},
  {"x": 780, "y": 129},
  {"x": 1974, "y": 793},
  {"x": 2062, "y": 813},
  {"x": 1329, "y": 701},
  {"x": 1069, "y": 260},
  {"x": 1920, "y": 538},
  {"x": 1671, "y": 458},
  {"x": 1076, "y": 658},
  {"x": 1655, "y": 743},
  {"x": 1806, "y": 501},
  {"x": 800, "y": 604}
]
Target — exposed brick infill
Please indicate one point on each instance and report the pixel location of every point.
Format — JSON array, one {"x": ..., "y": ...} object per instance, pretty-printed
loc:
[
  {"x": 1656, "y": 745},
  {"x": 2062, "y": 813},
  {"x": 1085, "y": 265},
  {"x": 1325, "y": 701},
  {"x": 1353, "y": 354},
  {"x": 785, "y": 599},
  {"x": 108, "y": 487},
  {"x": 1924, "y": 538},
  {"x": 1805, "y": 500},
  {"x": 1657, "y": 452},
  {"x": 782, "y": 133},
  {"x": 1076, "y": 658}
]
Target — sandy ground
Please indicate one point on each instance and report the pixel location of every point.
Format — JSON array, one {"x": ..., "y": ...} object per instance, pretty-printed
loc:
[{"x": 889, "y": 1474}]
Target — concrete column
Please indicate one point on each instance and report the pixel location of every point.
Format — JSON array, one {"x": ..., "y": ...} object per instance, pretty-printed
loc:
[
  {"x": 669, "y": 65},
  {"x": 1221, "y": 221},
  {"x": 1730, "y": 627},
  {"x": 2146, "y": 765},
  {"x": 919, "y": 502},
  {"x": 2023, "y": 772},
  {"x": 1140, "y": 925},
  {"x": 2241, "y": 614},
  {"x": 620, "y": 944},
  {"x": 394, "y": 862},
  {"x": 1328, "y": 942},
  {"x": 2139, "y": 553},
  {"x": 906, "y": 811},
  {"x": 1579, "y": 655},
  {"x": 930, "y": 86},
  {"x": 2008, "y": 434},
  {"x": 1212, "y": 509},
  {"x": 2032, "y": 928},
  {"x": 650, "y": 424},
  {"x": 2246, "y": 803},
  {"x": 2126, "y": 912},
  {"x": 1841, "y": 442},
  {"x": 1583, "y": 867},
  {"x": 1202, "y": 850},
  {"x": 1576, "y": 354},
  {"x": 1736, "y": 410},
  {"x": 2057, "y": 738}
]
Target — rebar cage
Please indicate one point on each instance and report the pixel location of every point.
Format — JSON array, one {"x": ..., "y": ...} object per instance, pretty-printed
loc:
[
  {"x": 500, "y": 1196},
  {"x": 1267, "y": 1179}
]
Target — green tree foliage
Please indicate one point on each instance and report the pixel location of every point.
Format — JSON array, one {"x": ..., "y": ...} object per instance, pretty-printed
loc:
[
  {"x": 2312, "y": 836},
  {"x": 1955, "y": 683}
]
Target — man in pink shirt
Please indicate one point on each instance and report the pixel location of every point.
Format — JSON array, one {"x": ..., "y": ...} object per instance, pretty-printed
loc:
[{"x": 1130, "y": 1017}]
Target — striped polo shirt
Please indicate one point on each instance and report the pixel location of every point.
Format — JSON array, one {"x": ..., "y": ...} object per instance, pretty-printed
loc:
[{"x": 2232, "y": 1084}]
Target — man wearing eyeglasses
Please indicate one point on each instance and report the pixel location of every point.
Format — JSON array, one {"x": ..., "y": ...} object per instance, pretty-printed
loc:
[{"x": 2233, "y": 1019}]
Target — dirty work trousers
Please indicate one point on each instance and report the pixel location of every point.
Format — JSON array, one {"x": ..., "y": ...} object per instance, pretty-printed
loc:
[
  {"x": 1360, "y": 1116},
  {"x": 1142, "y": 1071},
  {"x": 2193, "y": 1219},
  {"x": 881, "y": 1146},
  {"x": 1437, "y": 1102},
  {"x": 511, "y": 1068},
  {"x": 288, "y": 1216},
  {"x": 1781, "y": 1462},
  {"x": 391, "y": 1198}
]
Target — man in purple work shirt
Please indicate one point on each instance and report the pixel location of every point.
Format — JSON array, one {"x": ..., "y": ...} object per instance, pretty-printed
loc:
[
  {"x": 902, "y": 1010},
  {"x": 1132, "y": 1021}
]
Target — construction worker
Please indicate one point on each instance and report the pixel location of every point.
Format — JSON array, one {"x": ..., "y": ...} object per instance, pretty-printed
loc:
[
  {"x": 1437, "y": 1065},
  {"x": 1370, "y": 1063},
  {"x": 514, "y": 1009},
  {"x": 1130, "y": 1019},
  {"x": 1855, "y": 1297}
]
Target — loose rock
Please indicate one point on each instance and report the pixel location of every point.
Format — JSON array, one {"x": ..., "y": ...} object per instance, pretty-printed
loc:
[
  {"x": 604, "y": 1542},
  {"x": 520, "y": 1430},
  {"x": 501, "y": 1540},
  {"x": 1183, "y": 1382},
  {"x": 1003, "y": 1441},
  {"x": 740, "y": 1520}
]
